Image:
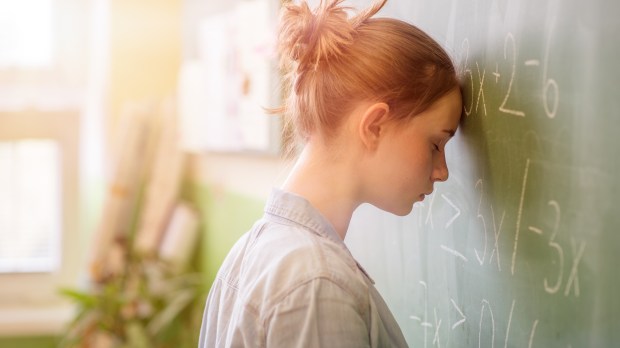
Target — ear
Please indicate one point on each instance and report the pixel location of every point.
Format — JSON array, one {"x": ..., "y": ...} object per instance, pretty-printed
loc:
[{"x": 373, "y": 124}]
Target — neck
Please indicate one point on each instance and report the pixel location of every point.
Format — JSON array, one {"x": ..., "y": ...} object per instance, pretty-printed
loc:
[{"x": 327, "y": 184}]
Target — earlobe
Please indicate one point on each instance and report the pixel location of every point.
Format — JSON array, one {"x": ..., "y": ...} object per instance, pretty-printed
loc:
[{"x": 373, "y": 124}]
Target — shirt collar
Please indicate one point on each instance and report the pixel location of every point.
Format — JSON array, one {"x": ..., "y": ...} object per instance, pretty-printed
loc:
[{"x": 297, "y": 209}]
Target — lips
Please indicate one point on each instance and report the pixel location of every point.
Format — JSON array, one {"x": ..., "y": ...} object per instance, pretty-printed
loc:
[{"x": 423, "y": 195}]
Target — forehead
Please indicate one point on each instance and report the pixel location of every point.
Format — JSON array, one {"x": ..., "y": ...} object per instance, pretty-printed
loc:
[{"x": 445, "y": 113}]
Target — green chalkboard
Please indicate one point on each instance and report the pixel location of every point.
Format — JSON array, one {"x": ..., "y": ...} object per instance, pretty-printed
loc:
[{"x": 520, "y": 247}]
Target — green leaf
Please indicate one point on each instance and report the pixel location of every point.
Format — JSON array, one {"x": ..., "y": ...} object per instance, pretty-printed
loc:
[
  {"x": 83, "y": 298},
  {"x": 171, "y": 311},
  {"x": 137, "y": 336}
]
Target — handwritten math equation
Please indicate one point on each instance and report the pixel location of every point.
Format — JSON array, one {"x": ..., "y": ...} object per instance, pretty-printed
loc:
[
  {"x": 564, "y": 255},
  {"x": 550, "y": 95}
]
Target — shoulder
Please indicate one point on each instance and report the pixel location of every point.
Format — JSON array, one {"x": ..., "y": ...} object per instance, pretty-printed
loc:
[{"x": 284, "y": 259}]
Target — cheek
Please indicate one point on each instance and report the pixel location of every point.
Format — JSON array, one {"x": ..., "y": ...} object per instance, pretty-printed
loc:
[
  {"x": 414, "y": 169},
  {"x": 420, "y": 160},
  {"x": 405, "y": 163},
  {"x": 421, "y": 169}
]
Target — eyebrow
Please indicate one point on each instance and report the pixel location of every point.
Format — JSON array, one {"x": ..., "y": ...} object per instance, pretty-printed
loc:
[{"x": 449, "y": 131}]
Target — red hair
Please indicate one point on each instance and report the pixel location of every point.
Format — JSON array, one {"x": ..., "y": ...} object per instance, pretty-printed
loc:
[{"x": 333, "y": 62}]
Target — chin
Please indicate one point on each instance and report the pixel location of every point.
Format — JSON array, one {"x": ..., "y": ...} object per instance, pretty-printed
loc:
[
  {"x": 405, "y": 212},
  {"x": 399, "y": 211},
  {"x": 398, "y": 208}
]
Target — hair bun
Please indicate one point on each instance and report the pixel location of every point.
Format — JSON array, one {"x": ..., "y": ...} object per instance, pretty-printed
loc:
[{"x": 308, "y": 37}]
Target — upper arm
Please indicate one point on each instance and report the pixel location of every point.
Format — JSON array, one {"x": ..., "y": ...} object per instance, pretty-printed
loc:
[{"x": 318, "y": 313}]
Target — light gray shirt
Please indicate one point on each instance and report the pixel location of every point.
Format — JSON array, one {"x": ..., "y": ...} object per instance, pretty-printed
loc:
[{"x": 291, "y": 282}]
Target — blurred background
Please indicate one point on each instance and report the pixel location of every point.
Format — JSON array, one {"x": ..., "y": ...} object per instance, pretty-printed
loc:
[{"x": 134, "y": 150}]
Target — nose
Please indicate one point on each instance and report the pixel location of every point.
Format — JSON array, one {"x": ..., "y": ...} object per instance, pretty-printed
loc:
[{"x": 440, "y": 168}]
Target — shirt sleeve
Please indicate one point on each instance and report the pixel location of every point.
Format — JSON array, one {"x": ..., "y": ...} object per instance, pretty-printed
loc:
[{"x": 319, "y": 313}]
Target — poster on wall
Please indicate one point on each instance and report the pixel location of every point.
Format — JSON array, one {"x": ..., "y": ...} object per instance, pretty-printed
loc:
[{"x": 223, "y": 93}]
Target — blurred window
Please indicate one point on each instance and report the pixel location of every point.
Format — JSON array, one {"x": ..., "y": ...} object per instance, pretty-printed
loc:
[
  {"x": 40, "y": 247},
  {"x": 26, "y": 33},
  {"x": 30, "y": 206},
  {"x": 53, "y": 65}
]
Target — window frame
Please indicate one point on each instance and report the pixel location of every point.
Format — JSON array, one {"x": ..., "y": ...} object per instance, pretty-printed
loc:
[{"x": 30, "y": 302}]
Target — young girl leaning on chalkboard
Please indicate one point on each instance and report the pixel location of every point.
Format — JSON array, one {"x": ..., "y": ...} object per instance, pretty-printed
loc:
[{"x": 374, "y": 101}]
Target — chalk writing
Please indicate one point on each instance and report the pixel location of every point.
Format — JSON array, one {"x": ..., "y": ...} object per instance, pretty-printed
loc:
[
  {"x": 512, "y": 308},
  {"x": 454, "y": 252},
  {"x": 519, "y": 215},
  {"x": 510, "y": 39},
  {"x": 485, "y": 304},
  {"x": 480, "y": 90},
  {"x": 532, "y": 62},
  {"x": 484, "y": 225},
  {"x": 437, "y": 327},
  {"x": 550, "y": 88},
  {"x": 429, "y": 215},
  {"x": 529, "y": 345},
  {"x": 496, "y": 232},
  {"x": 458, "y": 211},
  {"x": 468, "y": 75},
  {"x": 573, "y": 278},
  {"x": 496, "y": 73},
  {"x": 549, "y": 84},
  {"x": 463, "y": 317},
  {"x": 552, "y": 243}
]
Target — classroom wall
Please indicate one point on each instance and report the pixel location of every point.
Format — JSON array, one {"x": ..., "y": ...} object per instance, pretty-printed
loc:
[
  {"x": 229, "y": 191},
  {"x": 145, "y": 51}
]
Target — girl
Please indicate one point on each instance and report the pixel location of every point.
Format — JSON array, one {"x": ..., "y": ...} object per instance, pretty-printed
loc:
[{"x": 374, "y": 101}]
